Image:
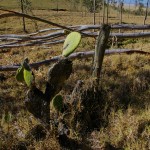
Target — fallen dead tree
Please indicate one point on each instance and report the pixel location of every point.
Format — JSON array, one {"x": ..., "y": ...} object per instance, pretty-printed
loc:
[
  {"x": 78, "y": 55},
  {"x": 125, "y": 35},
  {"x": 12, "y": 40},
  {"x": 71, "y": 28},
  {"x": 33, "y": 39},
  {"x": 61, "y": 33},
  {"x": 90, "y": 27}
]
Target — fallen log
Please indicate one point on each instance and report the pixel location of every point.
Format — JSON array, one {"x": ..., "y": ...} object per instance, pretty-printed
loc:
[
  {"x": 32, "y": 41},
  {"x": 28, "y": 37},
  {"x": 78, "y": 55},
  {"x": 61, "y": 33},
  {"x": 89, "y": 27},
  {"x": 123, "y": 35},
  {"x": 115, "y": 26}
]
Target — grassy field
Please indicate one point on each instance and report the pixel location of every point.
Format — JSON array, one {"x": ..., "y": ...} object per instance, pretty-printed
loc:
[
  {"x": 37, "y": 4},
  {"x": 124, "y": 83}
]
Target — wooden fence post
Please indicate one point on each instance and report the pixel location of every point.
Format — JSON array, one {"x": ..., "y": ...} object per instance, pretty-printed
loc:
[{"x": 100, "y": 50}]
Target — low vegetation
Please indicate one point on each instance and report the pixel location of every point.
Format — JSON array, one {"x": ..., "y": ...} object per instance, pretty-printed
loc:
[
  {"x": 125, "y": 88},
  {"x": 124, "y": 91}
]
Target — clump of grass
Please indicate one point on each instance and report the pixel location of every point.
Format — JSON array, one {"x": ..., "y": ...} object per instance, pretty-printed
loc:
[
  {"x": 125, "y": 81},
  {"x": 123, "y": 130}
]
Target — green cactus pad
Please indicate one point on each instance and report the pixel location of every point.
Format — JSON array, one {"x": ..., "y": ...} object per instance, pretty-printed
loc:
[
  {"x": 6, "y": 118},
  {"x": 71, "y": 43},
  {"x": 19, "y": 74},
  {"x": 28, "y": 77},
  {"x": 58, "y": 102}
]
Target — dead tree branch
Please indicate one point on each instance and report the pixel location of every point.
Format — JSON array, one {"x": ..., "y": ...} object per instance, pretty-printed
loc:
[
  {"x": 38, "y": 19},
  {"x": 78, "y": 55},
  {"x": 49, "y": 38}
]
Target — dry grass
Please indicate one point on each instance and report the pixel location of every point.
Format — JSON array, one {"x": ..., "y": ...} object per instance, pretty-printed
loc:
[{"x": 125, "y": 83}]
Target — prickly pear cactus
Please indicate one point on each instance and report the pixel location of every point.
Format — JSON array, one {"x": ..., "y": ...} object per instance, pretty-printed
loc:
[
  {"x": 71, "y": 43},
  {"x": 24, "y": 73},
  {"x": 58, "y": 102},
  {"x": 19, "y": 74},
  {"x": 57, "y": 75}
]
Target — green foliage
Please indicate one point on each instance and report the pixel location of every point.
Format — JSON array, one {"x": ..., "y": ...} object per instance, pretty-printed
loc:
[
  {"x": 24, "y": 73},
  {"x": 129, "y": 41},
  {"x": 140, "y": 10},
  {"x": 6, "y": 118},
  {"x": 71, "y": 43},
  {"x": 19, "y": 74},
  {"x": 58, "y": 102},
  {"x": 89, "y": 4},
  {"x": 28, "y": 77}
]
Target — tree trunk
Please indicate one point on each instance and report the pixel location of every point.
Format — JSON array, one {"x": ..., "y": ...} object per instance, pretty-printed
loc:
[
  {"x": 103, "y": 11},
  {"x": 94, "y": 12},
  {"x": 107, "y": 11},
  {"x": 146, "y": 11},
  {"x": 23, "y": 18}
]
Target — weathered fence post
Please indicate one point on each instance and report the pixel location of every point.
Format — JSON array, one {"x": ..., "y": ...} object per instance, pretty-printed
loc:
[{"x": 100, "y": 50}]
